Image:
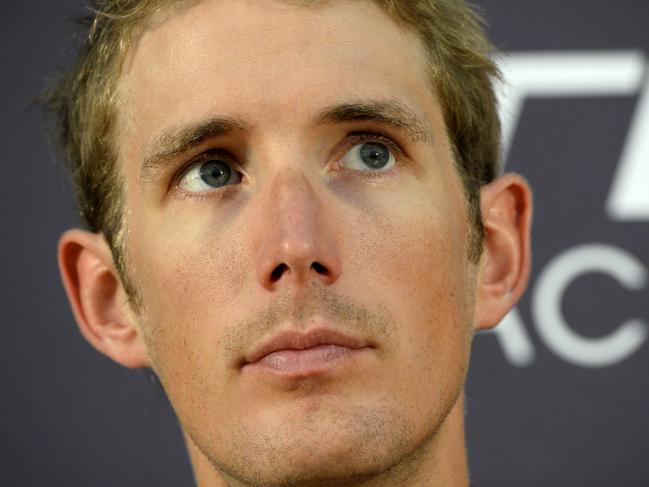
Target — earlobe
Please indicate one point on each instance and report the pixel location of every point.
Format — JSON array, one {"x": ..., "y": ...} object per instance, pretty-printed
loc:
[
  {"x": 505, "y": 263},
  {"x": 98, "y": 300}
]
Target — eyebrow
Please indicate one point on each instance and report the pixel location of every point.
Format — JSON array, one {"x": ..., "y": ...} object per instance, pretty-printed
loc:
[
  {"x": 391, "y": 113},
  {"x": 175, "y": 142}
]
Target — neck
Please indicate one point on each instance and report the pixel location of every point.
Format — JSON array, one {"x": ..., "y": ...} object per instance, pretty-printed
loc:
[{"x": 440, "y": 461}]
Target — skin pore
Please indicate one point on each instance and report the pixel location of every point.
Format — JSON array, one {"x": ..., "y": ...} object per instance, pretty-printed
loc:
[{"x": 302, "y": 234}]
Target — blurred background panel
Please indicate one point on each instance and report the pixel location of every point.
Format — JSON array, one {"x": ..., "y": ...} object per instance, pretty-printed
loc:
[{"x": 557, "y": 395}]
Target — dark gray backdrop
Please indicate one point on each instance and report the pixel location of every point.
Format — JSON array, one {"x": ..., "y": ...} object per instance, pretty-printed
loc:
[{"x": 546, "y": 407}]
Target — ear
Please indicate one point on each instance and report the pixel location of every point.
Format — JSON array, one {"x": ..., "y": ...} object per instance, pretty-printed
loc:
[
  {"x": 99, "y": 303},
  {"x": 505, "y": 263}
]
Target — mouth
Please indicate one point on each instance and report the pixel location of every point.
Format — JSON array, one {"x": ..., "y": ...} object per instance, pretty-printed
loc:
[{"x": 298, "y": 354}]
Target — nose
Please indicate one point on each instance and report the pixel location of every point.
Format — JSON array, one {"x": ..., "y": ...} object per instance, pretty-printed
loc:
[{"x": 297, "y": 242}]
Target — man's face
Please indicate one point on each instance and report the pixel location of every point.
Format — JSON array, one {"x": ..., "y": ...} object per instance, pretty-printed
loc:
[{"x": 318, "y": 192}]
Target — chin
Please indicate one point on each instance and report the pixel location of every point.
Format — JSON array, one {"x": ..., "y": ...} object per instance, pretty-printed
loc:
[
  {"x": 332, "y": 448},
  {"x": 333, "y": 466}
]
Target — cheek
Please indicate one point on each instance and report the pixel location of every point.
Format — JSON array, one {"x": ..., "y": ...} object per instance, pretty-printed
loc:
[
  {"x": 417, "y": 262},
  {"x": 415, "y": 251},
  {"x": 189, "y": 283},
  {"x": 429, "y": 276},
  {"x": 185, "y": 263}
]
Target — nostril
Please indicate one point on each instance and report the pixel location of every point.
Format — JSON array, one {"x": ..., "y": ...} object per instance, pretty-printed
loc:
[
  {"x": 277, "y": 272},
  {"x": 320, "y": 268}
]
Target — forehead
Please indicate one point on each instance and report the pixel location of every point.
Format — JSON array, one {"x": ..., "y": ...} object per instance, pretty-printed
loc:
[{"x": 264, "y": 59}]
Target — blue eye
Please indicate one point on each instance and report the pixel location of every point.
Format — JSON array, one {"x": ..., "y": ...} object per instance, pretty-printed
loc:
[
  {"x": 211, "y": 174},
  {"x": 373, "y": 155}
]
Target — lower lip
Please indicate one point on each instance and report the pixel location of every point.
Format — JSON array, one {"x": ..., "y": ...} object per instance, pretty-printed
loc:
[{"x": 306, "y": 362}]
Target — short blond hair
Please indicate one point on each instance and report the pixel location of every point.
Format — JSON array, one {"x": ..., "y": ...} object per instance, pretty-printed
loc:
[{"x": 84, "y": 103}]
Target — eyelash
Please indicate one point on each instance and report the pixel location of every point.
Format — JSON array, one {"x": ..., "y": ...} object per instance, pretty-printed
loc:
[
  {"x": 394, "y": 147},
  {"x": 355, "y": 138},
  {"x": 202, "y": 157}
]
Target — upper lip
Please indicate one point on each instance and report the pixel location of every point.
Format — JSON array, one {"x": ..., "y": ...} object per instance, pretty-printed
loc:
[{"x": 299, "y": 340}]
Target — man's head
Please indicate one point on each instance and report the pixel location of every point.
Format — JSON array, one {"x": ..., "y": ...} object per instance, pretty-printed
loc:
[
  {"x": 270, "y": 175},
  {"x": 86, "y": 102}
]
